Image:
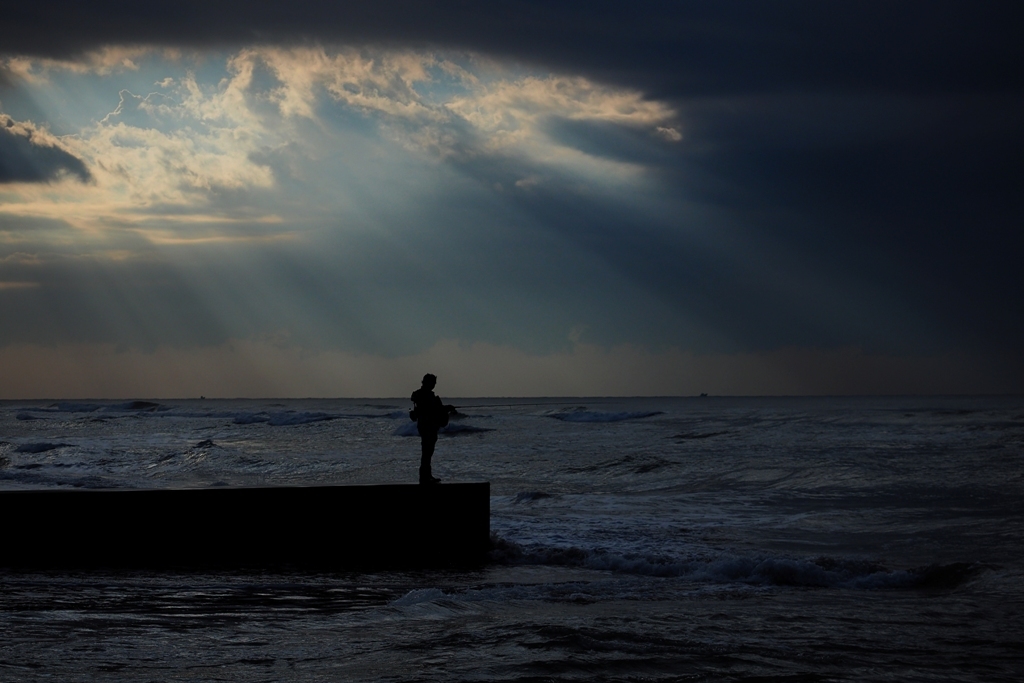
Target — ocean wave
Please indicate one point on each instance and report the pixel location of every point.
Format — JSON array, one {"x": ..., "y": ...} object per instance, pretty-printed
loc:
[
  {"x": 419, "y": 596},
  {"x": 147, "y": 406},
  {"x": 69, "y": 407},
  {"x": 283, "y": 419},
  {"x": 637, "y": 464},
  {"x": 37, "y": 476},
  {"x": 407, "y": 429},
  {"x": 529, "y": 496},
  {"x": 698, "y": 435},
  {"x": 580, "y": 415},
  {"x": 107, "y": 411},
  {"x": 393, "y": 415},
  {"x": 453, "y": 429},
  {"x": 278, "y": 419},
  {"x": 822, "y": 572},
  {"x": 287, "y": 419},
  {"x": 39, "y": 447},
  {"x": 79, "y": 407}
]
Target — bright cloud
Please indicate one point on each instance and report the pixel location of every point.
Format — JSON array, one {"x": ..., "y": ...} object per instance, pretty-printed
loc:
[
  {"x": 507, "y": 106},
  {"x": 103, "y": 62},
  {"x": 171, "y": 156},
  {"x": 383, "y": 83}
]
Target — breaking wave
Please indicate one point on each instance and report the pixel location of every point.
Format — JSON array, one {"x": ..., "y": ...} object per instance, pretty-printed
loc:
[{"x": 821, "y": 572}]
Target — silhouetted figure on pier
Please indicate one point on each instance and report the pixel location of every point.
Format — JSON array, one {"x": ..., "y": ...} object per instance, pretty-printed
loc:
[{"x": 430, "y": 415}]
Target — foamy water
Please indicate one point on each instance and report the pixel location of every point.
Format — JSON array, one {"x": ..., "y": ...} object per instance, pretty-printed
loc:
[{"x": 655, "y": 539}]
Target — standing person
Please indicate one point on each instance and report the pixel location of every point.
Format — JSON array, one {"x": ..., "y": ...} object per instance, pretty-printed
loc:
[{"x": 430, "y": 415}]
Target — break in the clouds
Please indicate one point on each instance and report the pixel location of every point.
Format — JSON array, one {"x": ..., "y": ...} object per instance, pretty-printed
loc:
[
  {"x": 194, "y": 151},
  {"x": 787, "y": 197},
  {"x": 377, "y": 200}
]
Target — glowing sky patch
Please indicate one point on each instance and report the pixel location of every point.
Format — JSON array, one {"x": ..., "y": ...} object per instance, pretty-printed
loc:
[
  {"x": 368, "y": 185},
  {"x": 192, "y": 143}
]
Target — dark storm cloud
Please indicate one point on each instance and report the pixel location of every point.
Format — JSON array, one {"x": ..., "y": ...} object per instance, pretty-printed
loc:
[
  {"x": 26, "y": 158},
  {"x": 611, "y": 141},
  {"x": 867, "y": 154},
  {"x": 919, "y": 198},
  {"x": 886, "y": 221},
  {"x": 667, "y": 48}
]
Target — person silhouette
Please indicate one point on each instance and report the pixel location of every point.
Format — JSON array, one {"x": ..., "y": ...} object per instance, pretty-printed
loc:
[{"x": 430, "y": 415}]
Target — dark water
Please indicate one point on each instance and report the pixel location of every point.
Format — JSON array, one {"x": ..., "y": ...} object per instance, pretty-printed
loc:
[{"x": 640, "y": 539}]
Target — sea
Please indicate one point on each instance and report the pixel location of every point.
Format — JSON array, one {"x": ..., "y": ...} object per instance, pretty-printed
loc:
[{"x": 639, "y": 539}]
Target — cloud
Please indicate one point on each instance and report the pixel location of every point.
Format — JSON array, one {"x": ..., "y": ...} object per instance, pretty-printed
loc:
[
  {"x": 165, "y": 158},
  {"x": 30, "y": 154},
  {"x": 659, "y": 47},
  {"x": 198, "y": 151},
  {"x": 768, "y": 221},
  {"x": 381, "y": 81},
  {"x": 102, "y": 61},
  {"x": 512, "y": 117},
  {"x": 491, "y": 112},
  {"x": 788, "y": 174}
]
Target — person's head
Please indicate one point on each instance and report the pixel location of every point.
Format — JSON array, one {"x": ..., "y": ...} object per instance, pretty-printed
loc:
[{"x": 429, "y": 381}]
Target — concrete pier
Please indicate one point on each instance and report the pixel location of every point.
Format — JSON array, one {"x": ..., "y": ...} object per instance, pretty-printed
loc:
[{"x": 323, "y": 527}]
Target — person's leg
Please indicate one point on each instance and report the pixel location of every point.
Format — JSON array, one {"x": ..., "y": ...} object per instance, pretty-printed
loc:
[{"x": 428, "y": 440}]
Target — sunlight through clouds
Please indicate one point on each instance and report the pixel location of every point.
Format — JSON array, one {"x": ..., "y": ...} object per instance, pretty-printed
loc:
[
  {"x": 333, "y": 195},
  {"x": 193, "y": 150},
  {"x": 376, "y": 179}
]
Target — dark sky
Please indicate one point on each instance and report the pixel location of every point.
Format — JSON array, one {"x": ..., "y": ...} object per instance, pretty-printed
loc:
[
  {"x": 670, "y": 49},
  {"x": 855, "y": 168}
]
